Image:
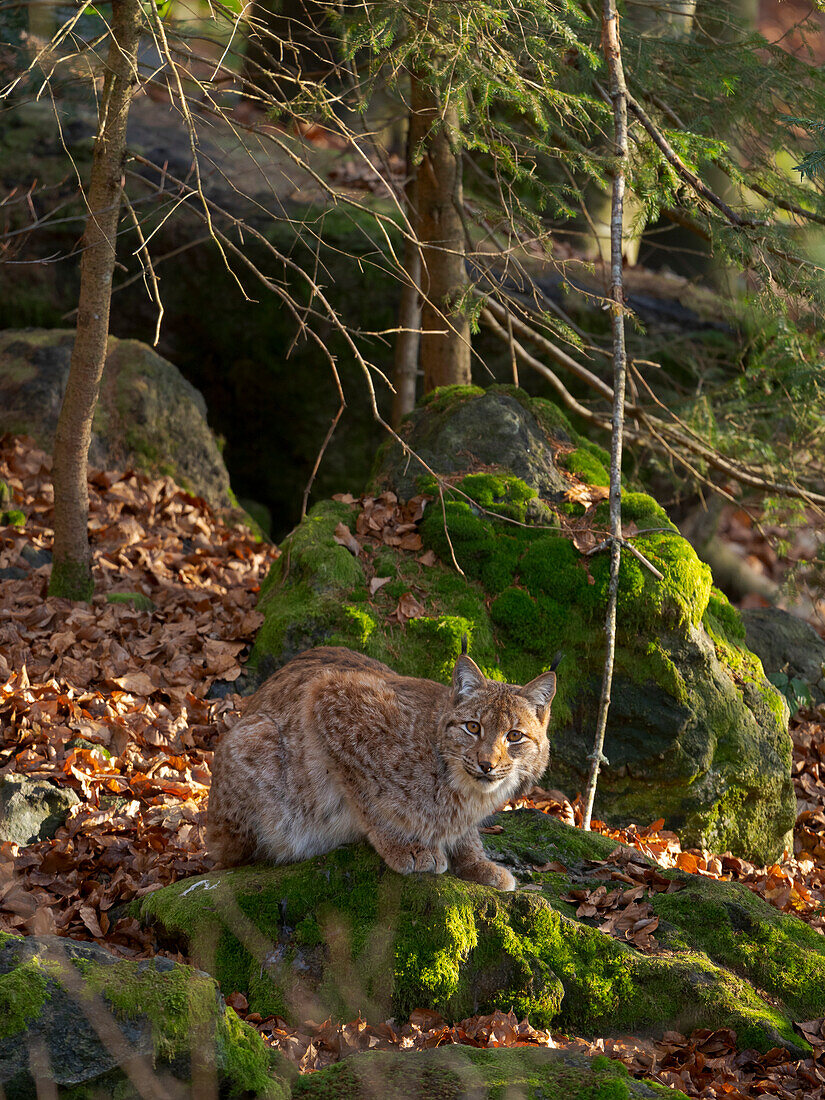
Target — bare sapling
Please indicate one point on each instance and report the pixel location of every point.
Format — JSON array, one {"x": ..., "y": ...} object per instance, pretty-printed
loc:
[
  {"x": 71, "y": 572},
  {"x": 618, "y": 96}
]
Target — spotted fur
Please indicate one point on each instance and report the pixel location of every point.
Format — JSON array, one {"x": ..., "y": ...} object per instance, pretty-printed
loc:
[{"x": 336, "y": 747}]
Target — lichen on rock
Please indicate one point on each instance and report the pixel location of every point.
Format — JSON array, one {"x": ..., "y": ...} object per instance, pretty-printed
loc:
[{"x": 696, "y": 733}]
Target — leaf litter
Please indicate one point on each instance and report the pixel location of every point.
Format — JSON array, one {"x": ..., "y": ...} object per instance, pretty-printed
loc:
[{"x": 117, "y": 700}]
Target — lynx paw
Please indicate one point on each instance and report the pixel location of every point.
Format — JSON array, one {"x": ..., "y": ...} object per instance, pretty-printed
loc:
[
  {"x": 488, "y": 874},
  {"x": 407, "y": 860}
]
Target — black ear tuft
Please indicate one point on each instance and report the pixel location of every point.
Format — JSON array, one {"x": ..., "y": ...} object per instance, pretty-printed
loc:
[
  {"x": 467, "y": 678},
  {"x": 465, "y": 646},
  {"x": 540, "y": 693},
  {"x": 556, "y": 661}
]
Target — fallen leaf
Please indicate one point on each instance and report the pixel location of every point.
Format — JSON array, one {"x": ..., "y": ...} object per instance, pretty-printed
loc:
[{"x": 344, "y": 537}]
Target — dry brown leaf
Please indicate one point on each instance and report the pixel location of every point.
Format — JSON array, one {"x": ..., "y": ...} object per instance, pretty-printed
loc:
[
  {"x": 344, "y": 537},
  {"x": 408, "y": 608},
  {"x": 136, "y": 683}
]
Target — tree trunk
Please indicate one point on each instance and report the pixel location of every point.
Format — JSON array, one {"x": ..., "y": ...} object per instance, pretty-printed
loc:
[
  {"x": 71, "y": 572},
  {"x": 408, "y": 339},
  {"x": 445, "y": 332}
]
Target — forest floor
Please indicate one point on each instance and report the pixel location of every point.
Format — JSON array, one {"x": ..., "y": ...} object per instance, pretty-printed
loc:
[{"x": 124, "y": 704}]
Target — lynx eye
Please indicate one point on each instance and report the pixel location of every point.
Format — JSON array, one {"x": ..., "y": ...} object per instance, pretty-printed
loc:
[
  {"x": 514, "y": 736},
  {"x": 473, "y": 727}
]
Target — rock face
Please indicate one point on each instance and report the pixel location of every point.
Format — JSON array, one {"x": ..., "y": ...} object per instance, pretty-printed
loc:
[
  {"x": 696, "y": 733},
  {"x": 789, "y": 645},
  {"x": 32, "y": 809},
  {"x": 342, "y": 933},
  {"x": 148, "y": 415},
  {"x": 73, "y": 1014}
]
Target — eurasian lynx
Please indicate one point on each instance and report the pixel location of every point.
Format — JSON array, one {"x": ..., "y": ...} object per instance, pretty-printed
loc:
[{"x": 336, "y": 747}]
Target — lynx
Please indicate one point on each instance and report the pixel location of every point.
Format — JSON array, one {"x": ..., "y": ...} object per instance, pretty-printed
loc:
[{"x": 336, "y": 747}]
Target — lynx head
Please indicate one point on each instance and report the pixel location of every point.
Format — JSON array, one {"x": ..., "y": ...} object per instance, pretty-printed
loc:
[{"x": 494, "y": 735}]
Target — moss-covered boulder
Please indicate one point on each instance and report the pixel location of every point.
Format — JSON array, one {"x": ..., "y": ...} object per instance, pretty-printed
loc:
[
  {"x": 696, "y": 733},
  {"x": 73, "y": 1015},
  {"x": 342, "y": 934},
  {"x": 148, "y": 415},
  {"x": 458, "y": 428},
  {"x": 32, "y": 809},
  {"x": 461, "y": 1073}
]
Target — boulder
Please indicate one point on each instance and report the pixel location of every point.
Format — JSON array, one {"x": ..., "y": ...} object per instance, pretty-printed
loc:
[
  {"x": 32, "y": 809},
  {"x": 342, "y": 934},
  {"x": 455, "y": 434},
  {"x": 74, "y": 1016},
  {"x": 461, "y": 1073},
  {"x": 148, "y": 415},
  {"x": 696, "y": 733},
  {"x": 787, "y": 646}
]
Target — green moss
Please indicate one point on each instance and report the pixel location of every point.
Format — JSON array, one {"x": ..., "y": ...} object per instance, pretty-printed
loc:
[
  {"x": 135, "y": 599},
  {"x": 453, "y": 1073},
  {"x": 504, "y": 495},
  {"x": 553, "y": 421},
  {"x": 358, "y": 623},
  {"x": 446, "y": 398},
  {"x": 13, "y": 518},
  {"x": 778, "y": 954},
  {"x": 181, "y": 1007},
  {"x": 307, "y": 595},
  {"x": 72, "y": 580},
  {"x": 525, "y": 594},
  {"x": 586, "y": 466},
  {"x": 498, "y": 568},
  {"x": 368, "y": 939},
  {"x": 552, "y": 566},
  {"x": 23, "y": 992},
  {"x": 723, "y": 617}
]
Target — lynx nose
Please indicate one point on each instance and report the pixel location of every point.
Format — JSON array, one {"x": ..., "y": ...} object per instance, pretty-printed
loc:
[{"x": 485, "y": 765}]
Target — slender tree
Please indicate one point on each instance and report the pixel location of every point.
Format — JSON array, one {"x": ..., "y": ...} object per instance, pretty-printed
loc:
[
  {"x": 618, "y": 97},
  {"x": 439, "y": 197},
  {"x": 71, "y": 572},
  {"x": 407, "y": 340}
]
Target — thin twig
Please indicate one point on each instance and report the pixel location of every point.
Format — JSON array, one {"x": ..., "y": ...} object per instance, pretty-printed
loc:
[{"x": 618, "y": 95}]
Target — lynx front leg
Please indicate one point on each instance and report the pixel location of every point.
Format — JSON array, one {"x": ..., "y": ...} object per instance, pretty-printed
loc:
[
  {"x": 469, "y": 861},
  {"x": 406, "y": 857}
]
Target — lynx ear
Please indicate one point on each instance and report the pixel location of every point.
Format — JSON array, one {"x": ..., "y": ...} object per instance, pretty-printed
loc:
[
  {"x": 467, "y": 678},
  {"x": 540, "y": 692}
]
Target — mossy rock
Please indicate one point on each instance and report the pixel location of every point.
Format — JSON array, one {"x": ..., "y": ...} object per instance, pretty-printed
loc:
[
  {"x": 57, "y": 995},
  {"x": 457, "y": 428},
  {"x": 148, "y": 415},
  {"x": 696, "y": 733},
  {"x": 32, "y": 809},
  {"x": 341, "y": 934},
  {"x": 461, "y": 1073}
]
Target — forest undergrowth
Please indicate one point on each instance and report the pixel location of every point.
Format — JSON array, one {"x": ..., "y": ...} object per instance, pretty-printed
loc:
[{"x": 123, "y": 701}]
